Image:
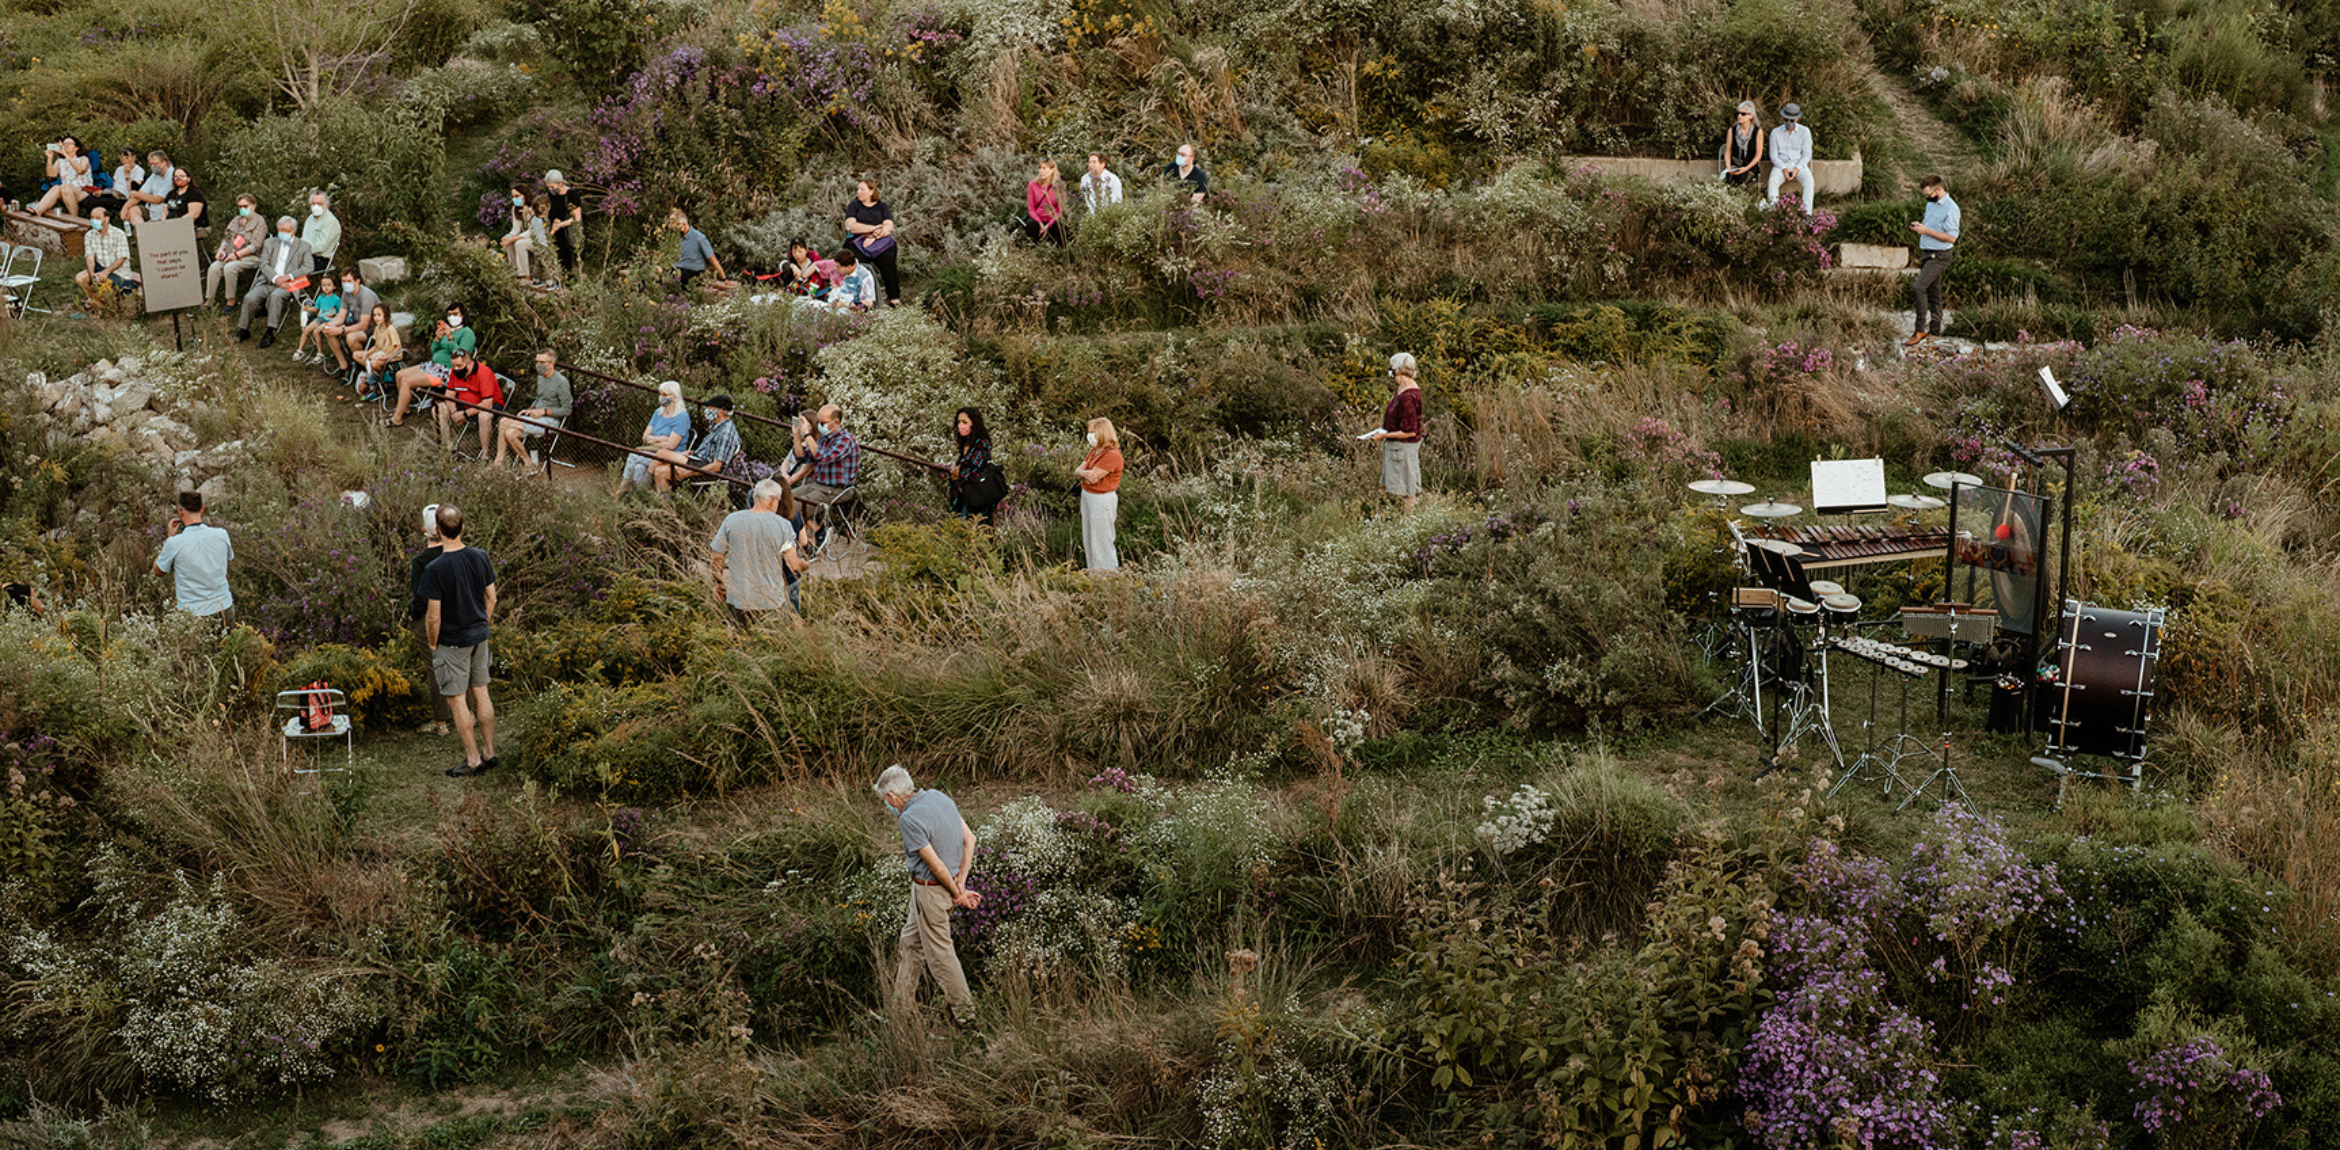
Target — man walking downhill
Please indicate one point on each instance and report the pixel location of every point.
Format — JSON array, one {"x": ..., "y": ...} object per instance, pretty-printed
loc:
[
  {"x": 460, "y": 587},
  {"x": 1937, "y": 241},
  {"x": 931, "y": 832}
]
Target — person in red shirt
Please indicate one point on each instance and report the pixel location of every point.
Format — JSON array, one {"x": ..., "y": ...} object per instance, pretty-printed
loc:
[
  {"x": 474, "y": 386},
  {"x": 1044, "y": 206},
  {"x": 1400, "y": 433}
]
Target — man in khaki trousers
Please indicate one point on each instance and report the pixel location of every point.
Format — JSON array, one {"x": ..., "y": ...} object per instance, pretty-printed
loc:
[{"x": 932, "y": 830}]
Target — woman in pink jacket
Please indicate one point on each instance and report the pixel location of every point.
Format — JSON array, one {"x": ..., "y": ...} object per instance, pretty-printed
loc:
[{"x": 1044, "y": 206}]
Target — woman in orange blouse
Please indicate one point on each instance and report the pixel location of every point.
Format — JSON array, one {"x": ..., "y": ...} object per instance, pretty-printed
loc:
[{"x": 1100, "y": 476}]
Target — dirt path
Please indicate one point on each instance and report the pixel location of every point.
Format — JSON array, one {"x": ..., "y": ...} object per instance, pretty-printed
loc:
[{"x": 1938, "y": 146}]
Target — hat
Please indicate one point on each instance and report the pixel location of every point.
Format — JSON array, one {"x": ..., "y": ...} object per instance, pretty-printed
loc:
[
  {"x": 431, "y": 520},
  {"x": 1747, "y": 106},
  {"x": 554, "y": 177},
  {"x": 720, "y": 403},
  {"x": 1792, "y": 112}
]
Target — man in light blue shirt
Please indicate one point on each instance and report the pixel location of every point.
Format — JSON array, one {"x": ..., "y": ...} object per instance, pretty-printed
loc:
[
  {"x": 1937, "y": 240},
  {"x": 938, "y": 849},
  {"x": 1791, "y": 156},
  {"x": 196, "y": 558}
]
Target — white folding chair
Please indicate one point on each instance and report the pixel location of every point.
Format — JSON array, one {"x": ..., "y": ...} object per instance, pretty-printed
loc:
[
  {"x": 17, "y": 286},
  {"x": 295, "y": 705}
]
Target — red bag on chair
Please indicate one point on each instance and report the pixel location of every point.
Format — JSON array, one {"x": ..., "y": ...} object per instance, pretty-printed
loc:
[{"x": 318, "y": 715}]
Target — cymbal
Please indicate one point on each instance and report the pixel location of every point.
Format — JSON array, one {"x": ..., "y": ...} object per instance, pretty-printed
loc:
[
  {"x": 1914, "y": 502},
  {"x": 1771, "y": 510},
  {"x": 1777, "y": 546},
  {"x": 1721, "y": 487},
  {"x": 1943, "y": 479}
]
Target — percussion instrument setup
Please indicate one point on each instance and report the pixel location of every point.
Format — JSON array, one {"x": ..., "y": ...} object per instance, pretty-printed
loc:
[
  {"x": 1788, "y": 619},
  {"x": 2101, "y": 696}
]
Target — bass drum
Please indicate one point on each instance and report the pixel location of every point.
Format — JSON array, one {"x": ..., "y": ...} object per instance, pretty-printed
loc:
[{"x": 2102, "y": 698}]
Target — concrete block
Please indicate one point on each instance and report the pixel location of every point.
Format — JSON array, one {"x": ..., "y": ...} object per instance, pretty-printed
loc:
[
  {"x": 1882, "y": 257},
  {"x": 383, "y": 269}
]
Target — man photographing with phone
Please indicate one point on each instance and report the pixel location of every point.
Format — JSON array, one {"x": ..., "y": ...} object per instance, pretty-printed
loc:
[{"x": 196, "y": 557}]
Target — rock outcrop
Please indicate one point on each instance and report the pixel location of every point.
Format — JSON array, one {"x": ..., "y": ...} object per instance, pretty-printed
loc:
[{"x": 113, "y": 403}]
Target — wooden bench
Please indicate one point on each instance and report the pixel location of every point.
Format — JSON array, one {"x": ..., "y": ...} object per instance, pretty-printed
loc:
[{"x": 61, "y": 239}]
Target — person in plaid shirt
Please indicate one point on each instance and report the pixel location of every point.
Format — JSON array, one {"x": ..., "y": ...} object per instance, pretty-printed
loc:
[
  {"x": 835, "y": 466},
  {"x": 106, "y": 253}
]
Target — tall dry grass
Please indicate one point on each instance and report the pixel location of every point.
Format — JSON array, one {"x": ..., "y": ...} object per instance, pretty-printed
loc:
[{"x": 2279, "y": 814}]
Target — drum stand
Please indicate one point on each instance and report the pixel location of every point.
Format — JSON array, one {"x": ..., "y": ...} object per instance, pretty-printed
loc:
[
  {"x": 1952, "y": 789},
  {"x": 1807, "y": 711},
  {"x": 1744, "y": 699},
  {"x": 1880, "y": 764}
]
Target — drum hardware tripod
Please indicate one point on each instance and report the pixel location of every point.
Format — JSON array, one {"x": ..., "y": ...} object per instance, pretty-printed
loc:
[
  {"x": 1807, "y": 710},
  {"x": 1882, "y": 763},
  {"x": 1952, "y": 789},
  {"x": 1744, "y": 698}
]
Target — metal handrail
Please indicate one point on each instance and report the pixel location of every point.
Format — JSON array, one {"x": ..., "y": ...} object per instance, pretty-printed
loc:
[
  {"x": 569, "y": 433},
  {"x": 763, "y": 419}
]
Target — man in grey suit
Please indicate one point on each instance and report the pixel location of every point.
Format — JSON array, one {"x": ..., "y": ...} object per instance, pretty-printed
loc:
[{"x": 284, "y": 261}]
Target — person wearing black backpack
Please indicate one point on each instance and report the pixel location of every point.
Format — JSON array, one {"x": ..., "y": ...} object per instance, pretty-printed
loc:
[{"x": 976, "y": 483}]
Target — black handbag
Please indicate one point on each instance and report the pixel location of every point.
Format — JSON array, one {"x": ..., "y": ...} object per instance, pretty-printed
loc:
[{"x": 985, "y": 488}]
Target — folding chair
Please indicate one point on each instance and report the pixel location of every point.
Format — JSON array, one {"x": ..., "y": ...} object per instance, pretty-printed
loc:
[
  {"x": 836, "y": 520},
  {"x": 295, "y": 705},
  {"x": 16, "y": 287},
  {"x": 542, "y": 453}
]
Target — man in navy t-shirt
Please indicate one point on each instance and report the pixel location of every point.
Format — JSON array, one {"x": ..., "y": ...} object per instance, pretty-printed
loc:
[{"x": 460, "y": 590}]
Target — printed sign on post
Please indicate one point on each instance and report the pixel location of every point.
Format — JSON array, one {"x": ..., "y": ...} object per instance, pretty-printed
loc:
[{"x": 166, "y": 264}]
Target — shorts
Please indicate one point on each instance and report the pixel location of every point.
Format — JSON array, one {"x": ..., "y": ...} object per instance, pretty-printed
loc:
[
  {"x": 1401, "y": 467},
  {"x": 437, "y": 371},
  {"x": 534, "y": 426},
  {"x": 460, "y": 669},
  {"x": 123, "y": 285}
]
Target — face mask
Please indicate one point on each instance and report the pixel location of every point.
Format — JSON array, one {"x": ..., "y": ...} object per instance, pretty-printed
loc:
[
  {"x": 316, "y": 209},
  {"x": 518, "y": 202},
  {"x": 286, "y": 236},
  {"x": 241, "y": 211},
  {"x": 1092, "y": 439},
  {"x": 454, "y": 321}
]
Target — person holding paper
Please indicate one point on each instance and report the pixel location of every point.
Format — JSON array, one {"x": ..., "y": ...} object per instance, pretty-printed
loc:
[{"x": 1400, "y": 433}]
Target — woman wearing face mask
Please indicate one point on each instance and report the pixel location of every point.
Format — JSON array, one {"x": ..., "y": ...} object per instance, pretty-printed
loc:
[
  {"x": 669, "y": 429},
  {"x": 451, "y": 336},
  {"x": 239, "y": 252},
  {"x": 1100, "y": 476}
]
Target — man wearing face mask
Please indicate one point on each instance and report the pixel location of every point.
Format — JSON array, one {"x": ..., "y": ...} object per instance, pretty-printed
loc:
[
  {"x": 284, "y": 262},
  {"x": 322, "y": 231},
  {"x": 835, "y": 466},
  {"x": 239, "y": 252},
  {"x": 1937, "y": 240},
  {"x": 449, "y": 337}
]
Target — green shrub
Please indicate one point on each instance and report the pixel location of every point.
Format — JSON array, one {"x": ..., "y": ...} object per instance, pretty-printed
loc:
[
  {"x": 950, "y": 553},
  {"x": 383, "y": 693},
  {"x": 384, "y": 167},
  {"x": 617, "y": 742}
]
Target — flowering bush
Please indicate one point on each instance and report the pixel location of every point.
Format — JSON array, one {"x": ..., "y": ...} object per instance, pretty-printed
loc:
[
  {"x": 184, "y": 1004},
  {"x": 2196, "y": 1095},
  {"x": 1521, "y": 821}
]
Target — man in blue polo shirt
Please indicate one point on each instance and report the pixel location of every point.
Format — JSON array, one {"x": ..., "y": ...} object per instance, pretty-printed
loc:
[
  {"x": 938, "y": 847},
  {"x": 1937, "y": 240},
  {"x": 196, "y": 557}
]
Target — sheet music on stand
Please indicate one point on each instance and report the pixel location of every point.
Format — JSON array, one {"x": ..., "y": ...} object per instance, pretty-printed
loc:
[{"x": 1844, "y": 486}]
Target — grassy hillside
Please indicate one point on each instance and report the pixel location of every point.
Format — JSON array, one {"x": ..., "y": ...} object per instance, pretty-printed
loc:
[{"x": 1323, "y": 825}]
